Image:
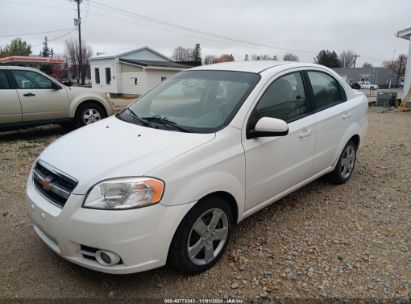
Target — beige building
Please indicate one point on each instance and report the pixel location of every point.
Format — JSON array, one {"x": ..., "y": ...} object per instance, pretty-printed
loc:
[{"x": 132, "y": 72}]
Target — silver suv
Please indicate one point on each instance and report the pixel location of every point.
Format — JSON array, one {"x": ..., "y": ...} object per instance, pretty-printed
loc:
[{"x": 29, "y": 97}]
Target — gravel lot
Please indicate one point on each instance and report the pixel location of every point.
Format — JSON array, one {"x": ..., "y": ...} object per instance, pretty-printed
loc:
[{"x": 323, "y": 241}]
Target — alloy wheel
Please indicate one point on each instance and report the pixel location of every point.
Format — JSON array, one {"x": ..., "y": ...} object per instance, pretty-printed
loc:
[
  {"x": 90, "y": 116},
  {"x": 347, "y": 161},
  {"x": 207, "y": 236}
]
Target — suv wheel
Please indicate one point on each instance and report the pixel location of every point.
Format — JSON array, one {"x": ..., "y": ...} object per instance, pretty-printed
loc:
[
  {"x": 89, "y": 113},
  {"x": 345, "y": 166},
  {"x": 202, "y": 237}
]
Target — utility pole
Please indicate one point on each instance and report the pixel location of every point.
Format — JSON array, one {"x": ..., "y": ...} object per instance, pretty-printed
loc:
[
  {"x": 78, "y": 23},
  {"x": 355, "y": 59}
]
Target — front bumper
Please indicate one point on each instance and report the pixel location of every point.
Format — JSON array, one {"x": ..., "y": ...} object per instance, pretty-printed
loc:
[{"x": 141, "y": 237}]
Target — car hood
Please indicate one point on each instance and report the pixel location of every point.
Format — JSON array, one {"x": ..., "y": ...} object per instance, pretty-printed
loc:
[{"x": 114, "y": 148}]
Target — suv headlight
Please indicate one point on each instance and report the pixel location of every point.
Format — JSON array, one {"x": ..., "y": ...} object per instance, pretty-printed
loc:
[{"x": 125, "y": 193}]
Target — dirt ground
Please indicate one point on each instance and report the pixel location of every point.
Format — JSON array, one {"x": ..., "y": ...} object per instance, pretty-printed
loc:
[{"x": 323, "y": 241}]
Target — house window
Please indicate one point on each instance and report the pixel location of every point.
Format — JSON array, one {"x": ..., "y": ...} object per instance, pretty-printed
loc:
[
  {"x": 163, "y": 78},
  {"x": 97, "y": 75},
  {"x": 135, "y": 81},
  {"x": 108, "y": 75}
]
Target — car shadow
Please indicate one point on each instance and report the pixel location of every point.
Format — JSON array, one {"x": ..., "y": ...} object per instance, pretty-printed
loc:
[{"x": 33, "y": 133}]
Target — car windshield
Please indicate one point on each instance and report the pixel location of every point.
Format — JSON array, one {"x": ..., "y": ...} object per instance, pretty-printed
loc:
[{"x": 193, "y": 101}]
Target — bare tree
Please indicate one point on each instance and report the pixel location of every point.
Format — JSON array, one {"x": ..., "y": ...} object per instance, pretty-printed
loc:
[
  {"x": 397, "y": 66},
  {"x": 367, "y": 65},
  {"x": 72, "y": 53},
  {"x": 290, "y": 57},
  {"x": 255, "y": 57},
  {"x": 209, "y": 59},
  {"x": 224, "y": 58},
  {"x": 181, "y": 54},
  {"x": 347, "y": 59}
]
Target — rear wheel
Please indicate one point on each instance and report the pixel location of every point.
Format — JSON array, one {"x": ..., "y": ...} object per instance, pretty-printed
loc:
[
  {"x": 88, "y": 113},
  {"x": 345, "y": 166},
  {"x": 202, "y": 237}
]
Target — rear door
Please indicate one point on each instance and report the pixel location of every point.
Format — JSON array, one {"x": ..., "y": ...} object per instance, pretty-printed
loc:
[
  {"x": 39, "y": 101},
  {"x": 274, "y": 165},
  {"x": 332, "y": 115},
  {"x": 10, "y": 108}
]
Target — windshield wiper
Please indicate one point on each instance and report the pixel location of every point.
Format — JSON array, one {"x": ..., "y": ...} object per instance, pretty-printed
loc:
[
  {"x": 135, "y": 117},
  {"x": 166, "y": 122}
]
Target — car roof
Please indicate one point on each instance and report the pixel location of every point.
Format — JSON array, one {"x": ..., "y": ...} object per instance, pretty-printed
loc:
[
  {"x": 257, "y": 66},
  {"x": 15, "y": 67}
]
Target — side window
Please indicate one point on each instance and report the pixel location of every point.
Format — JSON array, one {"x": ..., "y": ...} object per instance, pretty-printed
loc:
[
  {"x": 4, "y": 82},
  {"x": 97, "y": 75},
  {"x": 31, "y": 80},
  {"x": 108, "y": 75},
  {"x": 327, "y": 91},
  {"x": 284, "y": 99}
]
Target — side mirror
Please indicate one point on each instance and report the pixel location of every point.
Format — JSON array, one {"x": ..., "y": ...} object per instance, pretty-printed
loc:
[
  {"x": 55, "y": 86},
  {"x": 267, "y": 127}
]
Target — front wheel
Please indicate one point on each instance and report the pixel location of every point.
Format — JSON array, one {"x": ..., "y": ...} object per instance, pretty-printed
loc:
[
  {"x": 202, "y": 237},
  {"x": 88, "y": 113},
  {"x": 345, "y": 166}
]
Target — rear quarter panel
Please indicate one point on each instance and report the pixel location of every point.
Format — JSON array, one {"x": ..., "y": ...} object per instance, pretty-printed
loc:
[{"x": 357, "y": 104}]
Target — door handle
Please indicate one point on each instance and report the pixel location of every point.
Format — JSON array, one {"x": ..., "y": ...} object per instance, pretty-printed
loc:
[
  {"x": 346, "y": 115},
  {"x": 29, "y": 94},
  {"x": 305, "y": 133}
]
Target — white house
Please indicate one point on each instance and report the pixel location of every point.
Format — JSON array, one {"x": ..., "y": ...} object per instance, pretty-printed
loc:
[
  {"x": 406, "y": 34},
  {"x": 131, "y": 72}
]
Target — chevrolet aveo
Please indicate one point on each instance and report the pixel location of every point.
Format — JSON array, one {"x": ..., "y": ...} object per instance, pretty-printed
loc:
[{"x": 165, "y": 180}]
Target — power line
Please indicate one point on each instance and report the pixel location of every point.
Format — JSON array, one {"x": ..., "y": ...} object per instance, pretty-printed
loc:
[
  {"x": 58, "y": 37},
  {"x": 34, "y": 5},
  {"x": 32, "y": 34},
  {"x": 186, "y": 29}
]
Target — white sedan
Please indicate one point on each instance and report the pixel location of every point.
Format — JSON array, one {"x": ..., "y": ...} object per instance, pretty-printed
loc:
[
  {"x": 166, "y": 179},
  {"x": 368, "y": 85}
]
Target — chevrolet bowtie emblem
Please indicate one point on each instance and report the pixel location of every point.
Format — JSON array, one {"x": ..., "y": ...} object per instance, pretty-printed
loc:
[{"x": 46, "y": 184}]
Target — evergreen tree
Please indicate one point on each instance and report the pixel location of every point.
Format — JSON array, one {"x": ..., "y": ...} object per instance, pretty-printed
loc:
[
  {"x": 196, "y": 53},
  {"x": 328, "y": 58},
  {"x": 17, "y": 47},
  {"x": 46, "y": 51}
]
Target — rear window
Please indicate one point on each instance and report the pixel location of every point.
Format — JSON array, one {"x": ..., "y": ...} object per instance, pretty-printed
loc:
[{"x": 327, "y": 91}]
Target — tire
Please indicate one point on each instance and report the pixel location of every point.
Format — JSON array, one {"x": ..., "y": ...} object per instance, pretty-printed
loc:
[
  {"x": 345, "y": 166},
  {"x": 196, "y": 245},
  {"x": 88, "y": 113}
]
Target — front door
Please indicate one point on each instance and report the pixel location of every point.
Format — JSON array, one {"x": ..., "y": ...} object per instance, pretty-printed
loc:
[
  {"x": 274, "y": 165},
  {"x": 39, "y": 101},
  {"x": 10, "y": 108}
]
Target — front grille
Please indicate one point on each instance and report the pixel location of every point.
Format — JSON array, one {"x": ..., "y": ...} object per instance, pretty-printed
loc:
[{"x": 53, "y": 184}]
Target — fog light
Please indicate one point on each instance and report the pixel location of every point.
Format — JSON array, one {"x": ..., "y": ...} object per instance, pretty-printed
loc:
[{"x": 107, "y": 258}]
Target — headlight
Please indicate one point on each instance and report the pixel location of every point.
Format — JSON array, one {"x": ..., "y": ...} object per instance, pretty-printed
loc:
[{"x": 125, "y": 193}]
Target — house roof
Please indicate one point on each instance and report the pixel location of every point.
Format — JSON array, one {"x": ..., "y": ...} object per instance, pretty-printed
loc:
[
  {"x": 406, "y": 34},
  {"x": 152, "y": 63},
  {"x": 124, "y": 53}
]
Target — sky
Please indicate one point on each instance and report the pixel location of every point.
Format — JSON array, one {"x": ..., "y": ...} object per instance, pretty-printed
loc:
[{"x": 237, "y": 27}]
